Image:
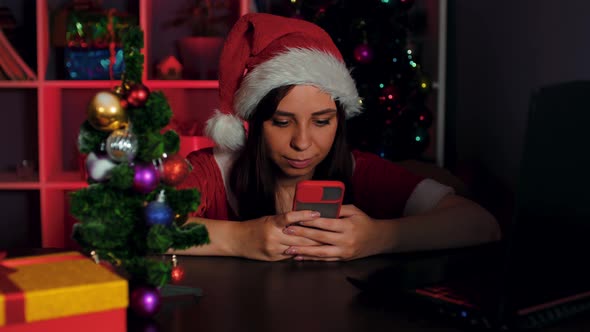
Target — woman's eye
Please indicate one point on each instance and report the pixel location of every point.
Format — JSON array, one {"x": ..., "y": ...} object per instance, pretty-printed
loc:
[
  {"x": 322, "y": 123},
  {"x": 280, "y": 123}
]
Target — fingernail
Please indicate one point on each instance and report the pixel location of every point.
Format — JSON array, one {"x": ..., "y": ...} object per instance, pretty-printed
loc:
[
  {"x": 298, "y": 258},
  {"x": 315, "y": 214},
  {"x": 288, "y": 230},
  {"x": 290, "y": 251}
]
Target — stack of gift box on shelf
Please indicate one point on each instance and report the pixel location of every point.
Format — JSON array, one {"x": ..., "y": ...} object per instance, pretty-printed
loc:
[{"x": 88, "y": 37}]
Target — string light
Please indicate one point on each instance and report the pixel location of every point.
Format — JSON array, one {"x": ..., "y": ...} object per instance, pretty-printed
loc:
[{"x": 381, "y": 85}]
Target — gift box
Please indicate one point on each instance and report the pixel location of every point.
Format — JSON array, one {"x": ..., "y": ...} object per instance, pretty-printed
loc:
[
  {"x": 93, "y": 64},
  {"x": 60, "y": 292},
  {"x": 89, "y": 38}
]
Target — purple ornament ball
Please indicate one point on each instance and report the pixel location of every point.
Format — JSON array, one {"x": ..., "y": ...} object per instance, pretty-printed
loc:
[
  {"x": 146, "y": 178},
  {"x": 145, "y": 301},
  {"x": 363, "y": 53}
]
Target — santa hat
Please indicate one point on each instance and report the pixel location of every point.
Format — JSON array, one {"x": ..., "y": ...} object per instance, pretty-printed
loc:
[{"x": 263, "y": 52}]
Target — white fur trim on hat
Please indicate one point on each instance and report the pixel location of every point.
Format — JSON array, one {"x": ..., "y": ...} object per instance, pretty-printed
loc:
[
  {"x": 226, "y": 130},
  {"x": 298, "y": 66}
]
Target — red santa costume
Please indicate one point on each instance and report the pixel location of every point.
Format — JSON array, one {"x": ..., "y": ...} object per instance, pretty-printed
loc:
[{"x": 263, "y": 52}]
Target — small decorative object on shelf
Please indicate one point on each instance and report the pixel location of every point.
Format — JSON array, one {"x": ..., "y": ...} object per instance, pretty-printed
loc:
[
  {"x": 209, "y": 21},
  {"x": 91, "y": 39},
  {"x": 127, "y": 214},
  {"x": 169, "y": 69},
  {"x": 25, "y": 170}
]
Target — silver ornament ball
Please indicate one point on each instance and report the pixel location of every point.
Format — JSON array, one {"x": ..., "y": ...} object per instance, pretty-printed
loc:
[{"x": 121, "y": 146}]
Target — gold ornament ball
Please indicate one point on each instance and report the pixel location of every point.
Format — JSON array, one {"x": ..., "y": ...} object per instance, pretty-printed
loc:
[{"x": 105, "y": 112}]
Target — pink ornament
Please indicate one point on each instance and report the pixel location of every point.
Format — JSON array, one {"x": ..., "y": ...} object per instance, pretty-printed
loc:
[
  {"x": 146, "y": 178},
  {"x": 363, "y": 53},
  {"x": 145, "y": 301}
]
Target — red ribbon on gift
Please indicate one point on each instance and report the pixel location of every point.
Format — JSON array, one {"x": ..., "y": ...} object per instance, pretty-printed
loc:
[
  {"x": 14, "y": 307},
  {"x": 112, "y": 51},
  {"x": 14, "y": 297}
]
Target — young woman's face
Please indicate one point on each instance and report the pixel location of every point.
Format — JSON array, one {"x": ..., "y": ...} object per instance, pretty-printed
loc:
[{"x": 300, "y": 133}]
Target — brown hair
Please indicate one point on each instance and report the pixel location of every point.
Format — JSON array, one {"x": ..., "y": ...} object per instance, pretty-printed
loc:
[{"x": 253, "y": 175}]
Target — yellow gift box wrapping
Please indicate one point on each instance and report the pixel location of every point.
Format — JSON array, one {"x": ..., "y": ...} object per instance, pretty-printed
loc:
[{"x": 56, "y": 286}]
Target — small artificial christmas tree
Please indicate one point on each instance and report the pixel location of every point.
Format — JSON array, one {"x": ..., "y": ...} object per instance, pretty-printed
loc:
[
  {"x": 131, "y": 210},
  {"x": 374, "y": 37}
]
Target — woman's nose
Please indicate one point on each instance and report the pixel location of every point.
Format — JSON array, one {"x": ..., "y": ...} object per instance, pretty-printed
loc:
[{"x": 300, "y": 139}]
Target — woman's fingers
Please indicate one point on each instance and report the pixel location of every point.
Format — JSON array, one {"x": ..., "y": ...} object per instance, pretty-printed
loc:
[
  {"x": 323, "y": 253},
  {"x": 295, "y": 217}
]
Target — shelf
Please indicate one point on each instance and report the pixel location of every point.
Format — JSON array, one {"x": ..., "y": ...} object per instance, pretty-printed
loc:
[
  {"x": 72, "y": 84},
  {"x": 18, "y": 84},
  {"x": 41, "y": 119},
  {"x": 20, "y": 226},
  {"x": 182, "y": 84},
  {"x": 66, "y": 180},
  {"x": 10, "y": 180}
]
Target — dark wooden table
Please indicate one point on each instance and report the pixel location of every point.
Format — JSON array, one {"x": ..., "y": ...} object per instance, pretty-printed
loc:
[{"x": 246, "y": 295}]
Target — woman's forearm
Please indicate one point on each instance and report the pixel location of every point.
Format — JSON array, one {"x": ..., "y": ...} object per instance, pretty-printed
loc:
[
  {"x": 222, "y": 236},
  {"x": 455, "y": 222}
]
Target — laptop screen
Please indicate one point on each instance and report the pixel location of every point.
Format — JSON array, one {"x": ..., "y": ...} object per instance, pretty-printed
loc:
[{"x": 550, "y": 243}]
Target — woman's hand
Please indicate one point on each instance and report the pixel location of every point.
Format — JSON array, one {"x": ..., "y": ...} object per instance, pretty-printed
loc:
[
  {"x": 354, "y": 235},
  {"x": 263, "y": 238}
]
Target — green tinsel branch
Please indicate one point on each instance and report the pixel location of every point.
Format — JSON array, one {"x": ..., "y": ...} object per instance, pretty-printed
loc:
[
  {"x": 90, "y": 139},
  {"x": 132, "y": 45},
  {"x": 153, "y": 116}
]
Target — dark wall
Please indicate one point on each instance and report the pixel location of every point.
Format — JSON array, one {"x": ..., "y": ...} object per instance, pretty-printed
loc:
[{"x": 499, "y": 51}]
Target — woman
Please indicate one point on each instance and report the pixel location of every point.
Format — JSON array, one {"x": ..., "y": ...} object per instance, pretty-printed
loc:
[{"x": 287, "y": 79}]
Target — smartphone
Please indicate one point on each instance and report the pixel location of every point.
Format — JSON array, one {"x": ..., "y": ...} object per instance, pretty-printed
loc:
[{"x": 322, "y": 196}]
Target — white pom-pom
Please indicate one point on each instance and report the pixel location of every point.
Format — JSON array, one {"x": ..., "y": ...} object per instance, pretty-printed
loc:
[
  {"x": 99, "y": 168},
  {"x": 226, "y": 130}
]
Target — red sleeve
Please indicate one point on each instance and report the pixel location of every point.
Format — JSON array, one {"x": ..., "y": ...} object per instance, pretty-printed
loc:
[
  {"x": 206, "y": 178},
  {"x": 380, "y": 187}
]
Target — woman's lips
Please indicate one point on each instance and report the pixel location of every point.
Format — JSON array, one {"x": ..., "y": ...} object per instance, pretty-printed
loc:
[{"x": 299, "y": 163}]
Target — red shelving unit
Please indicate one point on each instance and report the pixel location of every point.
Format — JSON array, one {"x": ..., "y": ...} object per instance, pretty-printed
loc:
[{"x": 44, "y": 125}]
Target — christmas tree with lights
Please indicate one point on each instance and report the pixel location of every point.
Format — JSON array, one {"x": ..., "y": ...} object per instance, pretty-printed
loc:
[
  {"x": 373, "y": 37},
  {"x": 131, "y": 211}
]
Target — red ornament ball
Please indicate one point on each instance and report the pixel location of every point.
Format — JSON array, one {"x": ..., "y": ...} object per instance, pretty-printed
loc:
[
  {"x": 138, "y": 95},
  {"x": 174, "y": 170},
  {"x": 177, "y": 274}
]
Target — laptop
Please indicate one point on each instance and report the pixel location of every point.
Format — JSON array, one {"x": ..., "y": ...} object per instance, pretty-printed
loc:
[{"x": 537, "y": 275}]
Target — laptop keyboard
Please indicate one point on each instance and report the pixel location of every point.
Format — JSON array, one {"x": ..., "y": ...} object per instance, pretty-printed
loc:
[
  {"x": 458, "y": 308},
  {"x": 548, "y": 316}
]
